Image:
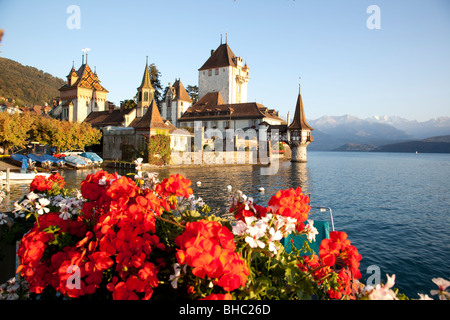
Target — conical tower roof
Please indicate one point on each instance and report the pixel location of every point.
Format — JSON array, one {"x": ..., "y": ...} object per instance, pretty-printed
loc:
[
  {"x": 299, "y": 121},
  {"x": 146, "y": 83}
]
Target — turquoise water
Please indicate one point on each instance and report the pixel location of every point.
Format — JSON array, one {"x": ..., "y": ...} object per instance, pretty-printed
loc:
[{"x": 395, "y": 207}]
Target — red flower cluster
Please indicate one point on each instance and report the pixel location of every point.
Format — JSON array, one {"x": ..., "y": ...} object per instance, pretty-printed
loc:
[
  {"x": 339, "y": 249},
  {"x": 208, "y": 247},
  {"x": 335, "y": 254},
  {"x": 113, "y": 236},
  {"x": 290, "y": 203},
  {"x": 175, "y": 185},
  {"x": 42, "y": 184}
]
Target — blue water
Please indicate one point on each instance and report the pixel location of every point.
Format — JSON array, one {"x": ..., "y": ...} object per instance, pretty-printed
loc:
[{"x": 395, "y": 207}]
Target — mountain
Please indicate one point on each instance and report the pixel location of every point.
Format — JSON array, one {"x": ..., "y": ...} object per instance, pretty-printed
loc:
[
  {"x": 331, "y": 132},
  {"x": 440, "y": 144},
  {"x": 27, "y": 85},
  {"x": 439, "y": 126}
]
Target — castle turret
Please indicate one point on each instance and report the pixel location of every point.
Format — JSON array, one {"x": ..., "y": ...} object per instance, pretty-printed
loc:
[
  {"x": 299, "y": 132},
  {"x": 145, "y": 93}
]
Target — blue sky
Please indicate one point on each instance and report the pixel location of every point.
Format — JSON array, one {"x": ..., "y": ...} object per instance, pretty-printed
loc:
[{"x": 401, "y": 69}]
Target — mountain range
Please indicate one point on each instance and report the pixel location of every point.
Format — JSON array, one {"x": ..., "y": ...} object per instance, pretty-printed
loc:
[{"x": 352, "y": 133}]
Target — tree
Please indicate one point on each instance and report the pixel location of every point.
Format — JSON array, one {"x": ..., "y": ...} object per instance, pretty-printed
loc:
[
  {"x": 14, "y": 130},
  {"x": 156, "y": 83},
  {"x": 193, "y": 93},
  {"x": 128, "y": 104}
]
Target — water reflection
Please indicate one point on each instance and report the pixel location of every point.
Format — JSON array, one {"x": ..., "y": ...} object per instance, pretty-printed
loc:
[{"x": 214, "y": 181}]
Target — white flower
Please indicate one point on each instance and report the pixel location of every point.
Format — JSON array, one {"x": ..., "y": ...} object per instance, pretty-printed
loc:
[
  {"x": 32, "y": 196},
  {"x": 384, "y": 292},
  {"x": 274, "y": 237},
  {"x": 424, "y": 297},
  {"x": 257, "y": 230},
  {"x": 41, "y": 206},
  {"x": 253, "y": 243},
  {"x": 102, "y": 181},
  {"x": 3, "y": 218},
  {"x": 311, "y": 231},
  {"x": 174, "y": 277},
  {"x": 442, "y": 284},
  {"x": 239, "y": 228}
]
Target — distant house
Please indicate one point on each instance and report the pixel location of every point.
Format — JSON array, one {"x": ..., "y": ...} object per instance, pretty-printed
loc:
[{"x": 8, "y": 107}]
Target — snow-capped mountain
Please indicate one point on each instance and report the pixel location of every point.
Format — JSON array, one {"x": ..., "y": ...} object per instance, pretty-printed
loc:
[
  {"x": 331, "y": 132},
  {"x": 439, "y": 126}
]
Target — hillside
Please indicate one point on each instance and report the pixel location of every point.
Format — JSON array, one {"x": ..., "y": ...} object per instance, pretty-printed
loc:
[
  {"x": 27, "y": 85},
  {"x": 439, "y": 144}
]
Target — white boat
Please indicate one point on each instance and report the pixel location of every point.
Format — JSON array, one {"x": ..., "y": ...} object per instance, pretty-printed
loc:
[
  {"x": 17, "y": 176},
  {"x": 75, "y": 161}
]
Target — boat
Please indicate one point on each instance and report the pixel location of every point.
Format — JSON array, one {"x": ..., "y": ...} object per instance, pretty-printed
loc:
[
  {"x": 18, "y": 176},
  {"x": 75, "y": 161},
  {"x": 24, "y": 161},
  {"x": 59, "y": 162},
  {"x": 88, "y": 161},
  {"x": 45, "y": 163},
  {"x": 95, "y": 158}
]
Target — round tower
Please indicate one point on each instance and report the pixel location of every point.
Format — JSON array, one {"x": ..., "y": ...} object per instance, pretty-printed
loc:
[{"x": 299, "y": 133}]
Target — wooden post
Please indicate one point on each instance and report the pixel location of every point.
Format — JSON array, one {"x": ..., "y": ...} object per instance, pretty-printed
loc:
[{"x": 7, "y": 181}]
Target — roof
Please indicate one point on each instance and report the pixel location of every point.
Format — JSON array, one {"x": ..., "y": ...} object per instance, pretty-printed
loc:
[
  {"x": 223, "y": 56},
  {"x": 114, "y": 117},
  {"x": 180, "y": 91},
  {"x": 86, "y": 79},
  {"x": 299, "y": 121},
  {"x": 146, "y": 83},
  {"x": 211, "y": 106},
  {"x": 152, "y": 120}
]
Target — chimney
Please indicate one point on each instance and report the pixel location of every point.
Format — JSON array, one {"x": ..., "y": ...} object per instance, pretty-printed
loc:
[
  {"x": 212, "y": 51},
  {"x": 288, "y": 119}
]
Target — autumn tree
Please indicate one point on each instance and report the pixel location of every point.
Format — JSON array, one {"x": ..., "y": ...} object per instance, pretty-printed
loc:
[{"x": 14, "y": 130}]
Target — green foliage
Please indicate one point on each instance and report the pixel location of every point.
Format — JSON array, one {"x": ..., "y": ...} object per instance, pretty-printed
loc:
[
  {"x": 27, "y": 85},
  {"x": 155, "y": 76},
  {"x": 159, "y": 151}
]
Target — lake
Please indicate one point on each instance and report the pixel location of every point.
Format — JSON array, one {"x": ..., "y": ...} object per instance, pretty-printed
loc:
[{"x": 395, "y": 207}]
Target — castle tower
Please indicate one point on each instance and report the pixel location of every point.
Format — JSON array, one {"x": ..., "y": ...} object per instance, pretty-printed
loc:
[
  {"x": 226, "y": 73},
  {"x": 145, "y": 93},
  {"x": 176, "y": 102},
  {"x": 82, "y": 94},
  {"x": 299, "y": 132}
]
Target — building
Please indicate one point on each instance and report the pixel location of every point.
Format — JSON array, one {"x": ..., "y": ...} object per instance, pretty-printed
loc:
[
  {"x": 81, "y": 95},
  {"x": 224, "y": 72},
  {"x": 222, "y": 102},
  {"x": 176, "y": 102},
  {"x": 299, "y": 132},
  {"x": 125, "y": 131}
]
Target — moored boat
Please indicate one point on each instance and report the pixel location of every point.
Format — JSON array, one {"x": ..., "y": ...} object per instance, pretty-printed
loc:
[
  {"x": 45, "y": 163},
  {"x": 58, "y": 162},
  {"x": 18, "y": 176},
  {"x": 75, "y": 161},
  {"x": 95, "y": 158}
]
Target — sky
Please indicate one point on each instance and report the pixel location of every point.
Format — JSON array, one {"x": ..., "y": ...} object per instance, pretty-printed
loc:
[{"x": 349, "y": 59}]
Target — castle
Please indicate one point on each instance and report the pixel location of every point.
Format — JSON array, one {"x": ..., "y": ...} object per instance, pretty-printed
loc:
[{"x": 222, "y": 104}]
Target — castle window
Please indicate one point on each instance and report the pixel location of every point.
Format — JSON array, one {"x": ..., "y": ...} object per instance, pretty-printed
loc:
[
  {"x": 217, "y": 72},
  {"x": 209, "y": 72},
  {"x": 145, "y": 96}
]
